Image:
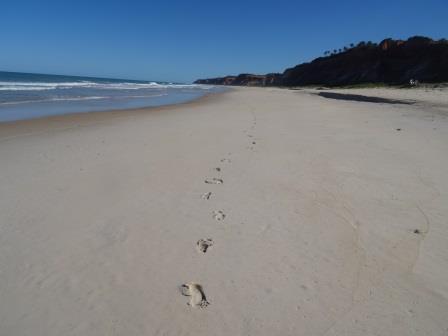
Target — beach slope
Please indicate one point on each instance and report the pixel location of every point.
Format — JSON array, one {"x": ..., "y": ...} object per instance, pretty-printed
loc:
[{"x": 252, "y": 212}]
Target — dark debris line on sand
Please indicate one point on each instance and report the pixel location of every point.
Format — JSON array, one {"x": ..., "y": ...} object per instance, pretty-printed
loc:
[{"x": 361, "y": 98}]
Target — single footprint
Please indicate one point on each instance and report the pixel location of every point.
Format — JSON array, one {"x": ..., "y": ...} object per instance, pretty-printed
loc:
[
  {"x": 196, "y": 294},
  {"x": 204, "y": 244},
  {"x": 225, "y": 160},
  {"x": 206, "y": 196},
  {"x": 218, "y": 215},
  {"x": 214, "y": 181},
  {"x": 218, "y": 169}
]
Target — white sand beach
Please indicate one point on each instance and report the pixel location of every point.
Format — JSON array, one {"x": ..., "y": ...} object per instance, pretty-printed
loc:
[{"x": 317, "y": 217}]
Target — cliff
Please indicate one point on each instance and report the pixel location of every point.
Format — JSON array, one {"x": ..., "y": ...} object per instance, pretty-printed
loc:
[
  {"x": 244, "y": 80},
  {"x": 390, "y": 62}
]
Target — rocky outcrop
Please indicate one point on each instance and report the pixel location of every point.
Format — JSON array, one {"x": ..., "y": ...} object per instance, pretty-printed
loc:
[
  {"x": 228, "y": 80},
  {"x": 390, "y": 62},
  {"x": 388, "y": 44},
  {"x": 244, "y": 80}
]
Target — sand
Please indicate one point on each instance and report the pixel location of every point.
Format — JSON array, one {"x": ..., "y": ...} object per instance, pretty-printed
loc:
[{"x": 253, "y": 212}]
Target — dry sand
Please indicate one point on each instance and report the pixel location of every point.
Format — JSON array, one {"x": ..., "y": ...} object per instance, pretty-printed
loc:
[{"x": 331, "y": 218}]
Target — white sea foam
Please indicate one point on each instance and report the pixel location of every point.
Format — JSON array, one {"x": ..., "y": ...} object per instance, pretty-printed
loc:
[
  {"x": 52, "y": 99},
  {"x": 79, "y": 99},
  {"x": 45, "y": 83},
  {"x": 39, "y": 86},
  {"x": 27, "y": 88}
]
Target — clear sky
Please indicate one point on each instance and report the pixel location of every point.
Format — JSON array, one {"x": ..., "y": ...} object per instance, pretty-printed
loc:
[{"x": 182, "y": 40}]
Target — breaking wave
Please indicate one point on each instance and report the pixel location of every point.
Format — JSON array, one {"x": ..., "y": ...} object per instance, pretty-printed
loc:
[
  {"x": 24, "y": 96},
  {"x": 41, "y": 86}
]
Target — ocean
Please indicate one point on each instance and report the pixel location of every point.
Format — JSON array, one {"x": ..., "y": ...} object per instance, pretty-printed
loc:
[{"x": 27, "y": 96}]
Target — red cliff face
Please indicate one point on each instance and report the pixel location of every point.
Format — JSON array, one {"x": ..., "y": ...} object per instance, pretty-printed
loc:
[
  {"x": 391, "y": 62},
  {"x": 389, "y": 43},
  {"x": 385, "y": 44}
]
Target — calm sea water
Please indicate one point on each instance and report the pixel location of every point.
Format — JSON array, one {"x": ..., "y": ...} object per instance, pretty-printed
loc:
[{"x": 26, "y": 96}]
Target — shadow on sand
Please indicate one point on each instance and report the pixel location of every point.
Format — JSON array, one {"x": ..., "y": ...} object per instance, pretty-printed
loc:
[{"x": 361, "y": 98}]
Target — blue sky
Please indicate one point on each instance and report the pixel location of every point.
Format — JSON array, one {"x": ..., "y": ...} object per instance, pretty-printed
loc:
[{"x": 174, "y": 40}]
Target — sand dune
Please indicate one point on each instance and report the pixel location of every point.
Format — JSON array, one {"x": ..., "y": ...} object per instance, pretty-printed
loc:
[{"x": 276, "y": 212}]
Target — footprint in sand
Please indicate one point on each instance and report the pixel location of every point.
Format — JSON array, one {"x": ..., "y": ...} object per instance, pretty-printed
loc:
[
  {"x": 226, "y": 160},
  {"x": 206, "y": 195},
  {"x": 214, "y": 181},
  {"x": 204, "y": 244},
  {"x": 218, "y": 215},
  {"x": 218, "y": 169},
  {"x": 196, "y": 294}
]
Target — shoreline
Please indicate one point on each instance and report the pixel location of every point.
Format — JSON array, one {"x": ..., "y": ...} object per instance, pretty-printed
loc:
[
  {"x": 363, "y": 95},
  {"x": 19, "y": 127}
]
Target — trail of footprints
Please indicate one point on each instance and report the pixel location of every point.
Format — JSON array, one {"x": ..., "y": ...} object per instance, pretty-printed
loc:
[
  {"x": 194, "y": 290},
  {"x": 252, "y": 144}
]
